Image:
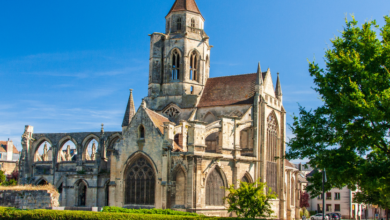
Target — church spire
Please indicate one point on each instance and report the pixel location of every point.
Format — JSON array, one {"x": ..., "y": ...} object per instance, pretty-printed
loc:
[
  {"x": 185, "y": 5},
  {"x": 130, "y": 110},
  {"x": 278, "y": 89}
]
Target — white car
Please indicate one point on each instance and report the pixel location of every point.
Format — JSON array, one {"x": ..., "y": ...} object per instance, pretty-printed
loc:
[{"x": 318, "y": 217}]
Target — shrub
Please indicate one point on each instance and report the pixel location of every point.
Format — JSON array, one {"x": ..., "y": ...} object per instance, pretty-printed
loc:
[
  {"x": 9, "y": 213},
  {"x": 312, "y": 213}
]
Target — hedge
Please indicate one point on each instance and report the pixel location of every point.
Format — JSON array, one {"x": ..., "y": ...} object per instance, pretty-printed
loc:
[
  {"x": 112, "y": 209},
  {"x": 12, "y": 213}
]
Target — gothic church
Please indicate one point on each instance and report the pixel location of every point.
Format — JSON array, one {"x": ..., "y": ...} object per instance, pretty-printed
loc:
[{"x": 192, "y": 135}]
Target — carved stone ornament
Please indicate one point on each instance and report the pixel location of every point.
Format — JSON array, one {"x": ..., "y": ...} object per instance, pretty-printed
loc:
[{"x": 171, "y": 112}]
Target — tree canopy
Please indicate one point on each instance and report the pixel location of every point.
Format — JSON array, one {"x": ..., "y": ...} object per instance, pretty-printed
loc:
[{"x": 349, "y": 134}]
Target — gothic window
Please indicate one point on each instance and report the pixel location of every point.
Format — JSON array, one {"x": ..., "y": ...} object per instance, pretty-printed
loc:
[
  {"x": 194, "y": 66},
  {"x": 272, "y": 138},
  {"x": 214, "y": 190},
  {"x": 245, "y": 179},
  {"x": 140, "y": 183},
  {"x": 141, "y": 132},
  {"x": 180, "y": 183},
  {"x": 193, "y": 25},
  {"x": 192, "y": 90},
  {"x": 175, "y": 65},
  {"x": 81, "y": 193},
  {"x": 171, "y": 112},
  {"x": 178, "y": 23}
]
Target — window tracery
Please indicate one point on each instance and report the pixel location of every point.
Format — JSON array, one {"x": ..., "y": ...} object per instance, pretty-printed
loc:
[
  {"x": 171, "y": 112},
  {"x": 175, "y": 65},
  {"x": 272, "y": 146},
  {"x": 194, "y": 66},
  {"x": 140, "y": 184}
]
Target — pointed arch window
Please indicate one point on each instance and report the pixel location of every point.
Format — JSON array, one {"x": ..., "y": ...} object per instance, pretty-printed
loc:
[
  {"x": 141, "y": 132},
  {"x": 272, "y": 138},
  {"x": 272, "y": 145},
  {"x": 193, "y": 25},
  {"x": 175, "y": 65},
  {"x": 214, "y": 189},
  {"x": 194, "y": 66},
  {"x": 140, "y": 183},
  {"x": 178, "y": 23}
]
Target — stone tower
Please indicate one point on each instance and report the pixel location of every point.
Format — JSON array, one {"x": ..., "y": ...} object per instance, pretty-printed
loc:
[{"x": 179, "y": 63}]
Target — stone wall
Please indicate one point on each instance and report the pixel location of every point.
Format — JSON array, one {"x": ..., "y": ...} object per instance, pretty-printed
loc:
[{"x": 28, "y": 199}]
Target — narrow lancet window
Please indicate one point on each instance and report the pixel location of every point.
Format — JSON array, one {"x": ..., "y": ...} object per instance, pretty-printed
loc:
[
  {"x": 193, "y": 25},
  {"x": 178, "y": 23},
  {"x": 175, "y": 65},
  {"x": 194, "y": 66},
  {"x": 141, "y": 132}
]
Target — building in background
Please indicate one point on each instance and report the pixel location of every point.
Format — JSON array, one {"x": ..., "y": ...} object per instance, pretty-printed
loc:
[
  {"x": 9, "y": 157},
  {"x": 340, "y": 200}
]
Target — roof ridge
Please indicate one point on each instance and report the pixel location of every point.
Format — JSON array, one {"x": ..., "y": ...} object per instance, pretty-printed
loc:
[{"x": 235, "y": 75}]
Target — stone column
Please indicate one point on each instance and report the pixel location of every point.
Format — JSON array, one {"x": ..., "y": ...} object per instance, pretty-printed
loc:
[
  {"x": 198, "y": 188},
  {"x": 190, "y": 184}
]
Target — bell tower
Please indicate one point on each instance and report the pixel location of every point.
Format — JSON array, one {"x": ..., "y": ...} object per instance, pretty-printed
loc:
[{"x": 179, "y": 63}]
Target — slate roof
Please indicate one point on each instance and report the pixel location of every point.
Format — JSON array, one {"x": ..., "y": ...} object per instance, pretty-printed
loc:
[
  {"x": 157, "y": 119},
  {"x": 229, "y": 90},
  {"x": 3, "y": 147},
  {"x": 185, "y": 5}
]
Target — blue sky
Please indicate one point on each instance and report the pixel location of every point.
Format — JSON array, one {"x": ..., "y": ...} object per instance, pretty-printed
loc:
[{"x": 67, "y": 66}]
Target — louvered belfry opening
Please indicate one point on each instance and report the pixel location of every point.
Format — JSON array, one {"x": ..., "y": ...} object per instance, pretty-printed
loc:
[
  {"x": 140, "y": 184},
  {"x": 272, "y": 152},
  {"x": 214, "y": 189}
]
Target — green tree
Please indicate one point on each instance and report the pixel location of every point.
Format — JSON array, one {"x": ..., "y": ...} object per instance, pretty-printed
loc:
[
  {"x": 250, "y": 200},
  {"x": 349, "y": 134},
  {"x": 2, "y": 177}
]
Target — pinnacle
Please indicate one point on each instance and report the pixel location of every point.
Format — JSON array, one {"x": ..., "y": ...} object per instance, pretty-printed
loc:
[{"x": 130, "y": 110}]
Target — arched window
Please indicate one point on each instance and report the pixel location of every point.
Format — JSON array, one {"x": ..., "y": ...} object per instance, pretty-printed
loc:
[
  {"x": 81, "y": 193},
  {"x": 245, "y": 179},
  {"x": 214, "y": 189},
  {"x": 141, "y": 132},
  {"x": 178, "y": 23},
  {"x": 140, "y": 184},
  {"x": 43, "y": 152},
  {"x": 194, "y": 66},
  {"x": 175, "y": 65},
  {"x": 272, "y": 139},
  {"x": 180, "y": 189}
]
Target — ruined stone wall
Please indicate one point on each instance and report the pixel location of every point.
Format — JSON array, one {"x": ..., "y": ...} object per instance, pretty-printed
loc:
[{"x": 28, "y": 199}]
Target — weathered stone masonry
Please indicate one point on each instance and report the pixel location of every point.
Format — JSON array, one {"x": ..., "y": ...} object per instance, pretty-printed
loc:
[{"x": 191, "y": 135}]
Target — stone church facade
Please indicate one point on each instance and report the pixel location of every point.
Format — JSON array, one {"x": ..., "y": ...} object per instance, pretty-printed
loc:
[{"x": 192, "y": 135}]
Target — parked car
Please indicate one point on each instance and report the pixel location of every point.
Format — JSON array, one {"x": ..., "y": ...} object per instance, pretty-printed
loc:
[
  {"x": 333, "y": 216},
  {"x": 318, "y": 217},
  {"x": 337, "y": 214}
]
